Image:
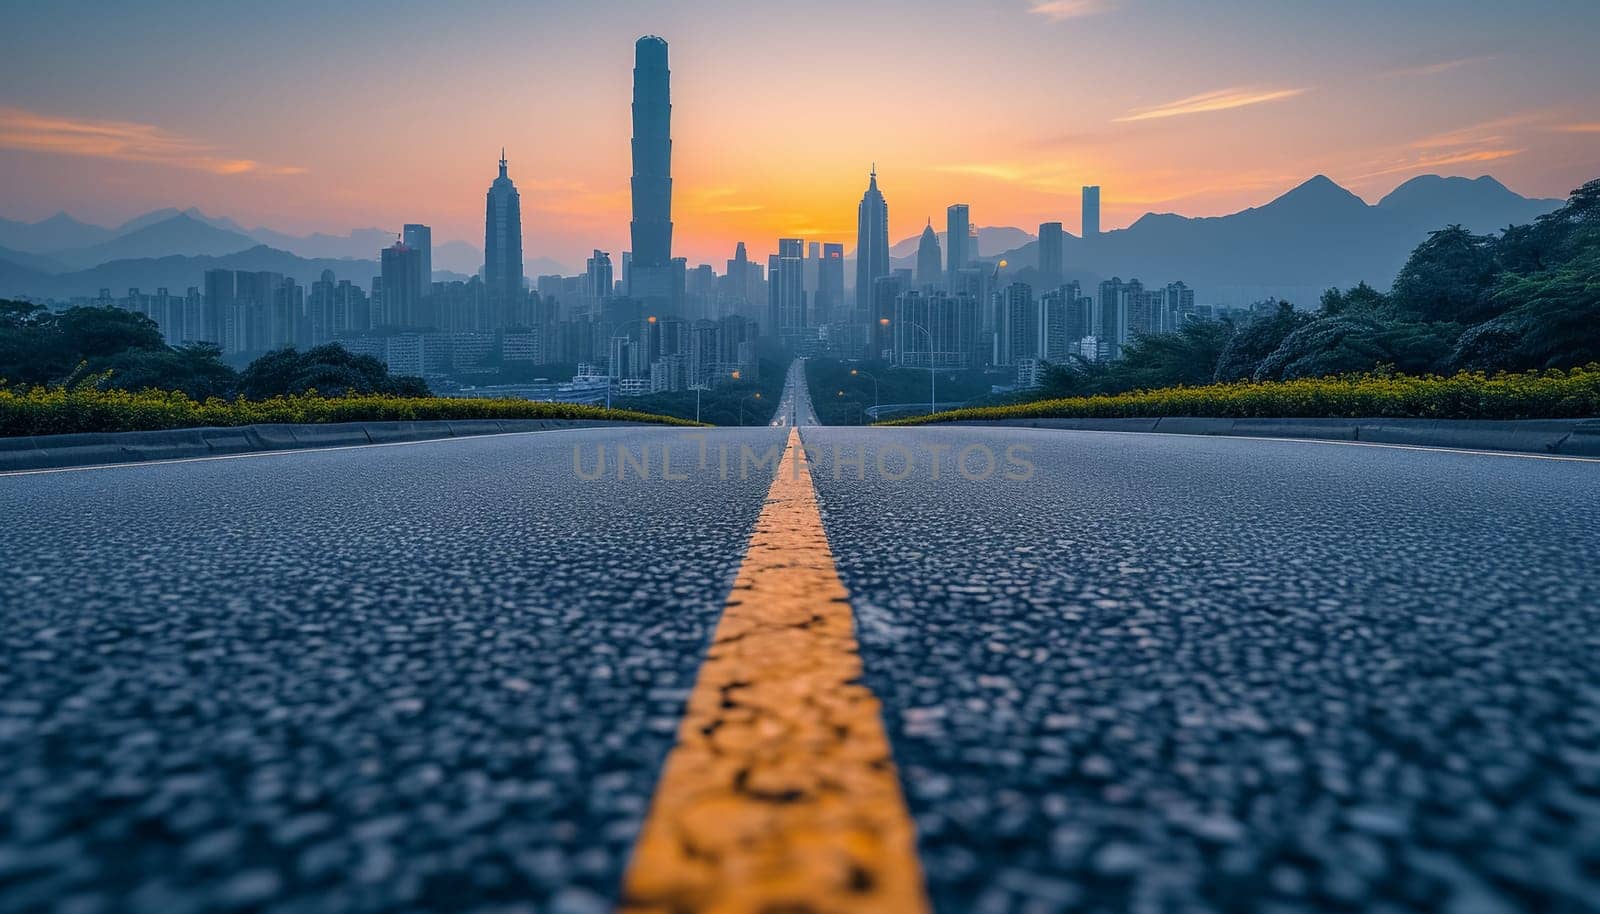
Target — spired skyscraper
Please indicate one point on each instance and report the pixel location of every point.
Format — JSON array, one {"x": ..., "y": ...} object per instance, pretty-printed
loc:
[
  {"x": 872, "y": 242},
  {"x": 502, "y": 245},
  {"x": 653, "y": 275},
  {"x": 930, "y": 262}
]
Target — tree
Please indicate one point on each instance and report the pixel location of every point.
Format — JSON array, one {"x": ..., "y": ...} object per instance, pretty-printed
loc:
[
  {"x": 90, "y": 333},
  {"x": 1362, "y": 299},
  {"x": 197, "y": 370},
  {"x": 1255, "y": 340},
  {"x": 1447, "y": 278},
  {"x": 1555, "y": 314},
  {"x": 329, "y": 369}
]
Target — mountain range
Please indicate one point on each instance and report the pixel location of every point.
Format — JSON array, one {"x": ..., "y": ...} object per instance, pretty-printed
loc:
[{"x": 1314, "y": 236}]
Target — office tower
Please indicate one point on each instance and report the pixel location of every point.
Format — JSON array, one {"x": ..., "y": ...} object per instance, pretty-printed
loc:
[
  {"x": 786, "y": 296},
  {"x": 1016, "y": 325},
  {"x": 813, "y": 267},
  {"x": 502, "y": 244},
  {"x": 597, "y": 282},
  {"x": 320, "y": 310},
  {"x": 1050, "y": 254},
  {"x": 936, "y": 327},
  {"x": 828, "y": 304},
  {"x": 872, "y": 239},
  {"x": 1091, "y": 211},
  {"x": 957, "y": 240},
  {"x": 402, "y": 292},
  {"x": 1178, "y": 307},
  {"x": 1114, "y": 319},
  {"x": 930, "y": 267},
  {"x": 880, "y": 310},
  {"x": 219, "y": 296},
  {"x": 1063, "y": 321},
  {"x": 419, "y": 238},
  {"x": 652, "y": 277}
]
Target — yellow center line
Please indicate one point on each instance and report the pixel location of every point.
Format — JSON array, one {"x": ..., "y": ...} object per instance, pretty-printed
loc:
[{"x": 780, "y": 794}]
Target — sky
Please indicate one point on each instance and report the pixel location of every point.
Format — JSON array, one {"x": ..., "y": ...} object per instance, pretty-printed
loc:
[{"x": 308, "y": 116}]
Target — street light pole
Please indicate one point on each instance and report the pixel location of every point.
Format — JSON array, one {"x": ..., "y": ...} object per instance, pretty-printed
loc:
[
  {"x": 933, "y": 384},
  {"x": 874, "y": 378}
]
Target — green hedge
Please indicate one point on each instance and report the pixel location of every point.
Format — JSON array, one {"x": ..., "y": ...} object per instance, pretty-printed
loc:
[
  {"x": 58, "y": 410},
  {"x": 1529, "y": 395}
]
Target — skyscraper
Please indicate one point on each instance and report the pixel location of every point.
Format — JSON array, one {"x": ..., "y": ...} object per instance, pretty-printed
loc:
[
  {"x": 1091, "y": 210},
  {"x": 786, "y": 296},
  {"x": 652, "y": 277},
  {"x": 502, "y": 244},
  {"x": 597, "y": 282},
  {"x": 930, "y": 268},
  {"x": 872, "y": 240},
  {"x": 1050, "y": 254},
  {"x": 958, "y": 227},
  {"x": 828, "y": 305},
  {"x": 419, "y": 238},
  {"x": 402, "y": 291}
]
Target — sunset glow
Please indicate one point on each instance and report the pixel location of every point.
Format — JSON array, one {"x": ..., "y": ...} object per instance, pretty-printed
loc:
[{"x": 774, "y": 128}]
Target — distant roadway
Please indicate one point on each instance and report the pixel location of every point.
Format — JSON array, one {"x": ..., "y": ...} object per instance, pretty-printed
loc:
[{"x": 1116, "y": 672}]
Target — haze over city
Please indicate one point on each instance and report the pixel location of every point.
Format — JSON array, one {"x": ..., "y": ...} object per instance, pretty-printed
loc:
[{"x": 395, "y": 112}]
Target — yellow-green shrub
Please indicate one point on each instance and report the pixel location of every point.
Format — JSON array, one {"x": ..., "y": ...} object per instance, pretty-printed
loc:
[
  {"x": 1530, "y": 395},
  {"x": 60, "y": 410}
]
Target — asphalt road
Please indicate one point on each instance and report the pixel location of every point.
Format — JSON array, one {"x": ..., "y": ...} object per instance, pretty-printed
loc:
[{"x": 1159, "y": 673}]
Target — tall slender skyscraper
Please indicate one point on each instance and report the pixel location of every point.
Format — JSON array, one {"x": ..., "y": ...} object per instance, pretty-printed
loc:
[
  {"x": 419, "y": 238},
  {"x": 956, "y": 242},
  {"x": 1050, "y": 254},
  {"x": 872, "y": 241},
  {"x": 502, "y": 245},
  {"x": 1091, "y": 210},
  {"x": 930, "y": 267},
  {"x": 652, "y": 276}
]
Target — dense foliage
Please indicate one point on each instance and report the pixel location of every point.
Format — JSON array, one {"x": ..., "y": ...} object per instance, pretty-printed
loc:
[
  {"x": 1528, "y": 298},
  {"x": 121, "y": 350},
  {"x": 1549, "y": 394},
  {"x": 87, "y": 408}
]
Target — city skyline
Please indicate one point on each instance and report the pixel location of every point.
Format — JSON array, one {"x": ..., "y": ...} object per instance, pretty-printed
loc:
[{"x": 1234, "y": 120}]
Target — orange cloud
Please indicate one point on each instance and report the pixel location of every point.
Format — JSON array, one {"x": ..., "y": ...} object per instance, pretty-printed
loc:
[
  {"x": 1449, "y": 158},
  {"x": 1061, "y": 10},
  {"x": 125, "y": 141},
  {"x": 1220, "y": 100},
  {"x": 1579, "y": 128}
]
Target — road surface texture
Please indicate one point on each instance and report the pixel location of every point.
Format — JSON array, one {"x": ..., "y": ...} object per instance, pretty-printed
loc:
[
  {"x": 1154, "y": 673},
  {"x": 439, "y": 676},
  {"x": 1170, "y": 673}
]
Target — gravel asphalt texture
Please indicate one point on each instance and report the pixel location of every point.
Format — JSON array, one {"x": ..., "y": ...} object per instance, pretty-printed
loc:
[
  {"x": 1161, "y": 674},
  {"x": 1175, "y": 673},
  {"x": 439, "y": 676}
]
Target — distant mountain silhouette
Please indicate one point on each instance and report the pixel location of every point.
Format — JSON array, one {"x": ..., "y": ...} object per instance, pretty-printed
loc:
[
  {"x": 42, "y": 263},
  {"x": 176, "y": 273},
  {"x": 1315, "y": 236},
  {"x": 31, "y": 275},
  {"x": 59, "y": 232},
  {"x": 181, "y": 234}
]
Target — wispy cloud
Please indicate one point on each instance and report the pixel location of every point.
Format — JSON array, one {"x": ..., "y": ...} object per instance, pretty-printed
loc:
[
  {"x": 125, "y": 141},
  {"x": 1440, "y": 160},
  {"x": 1062, "y": 10},
  {"x": 1442, "y": 66},
  {"x": 1220, "y": 100},
  {"x": 1590, "y": 127}
]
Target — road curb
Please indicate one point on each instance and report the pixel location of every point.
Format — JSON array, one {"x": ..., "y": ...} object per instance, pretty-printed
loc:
[
  {"x": 1567, "y": 437},
  {"x": 38, "y": 452}
]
